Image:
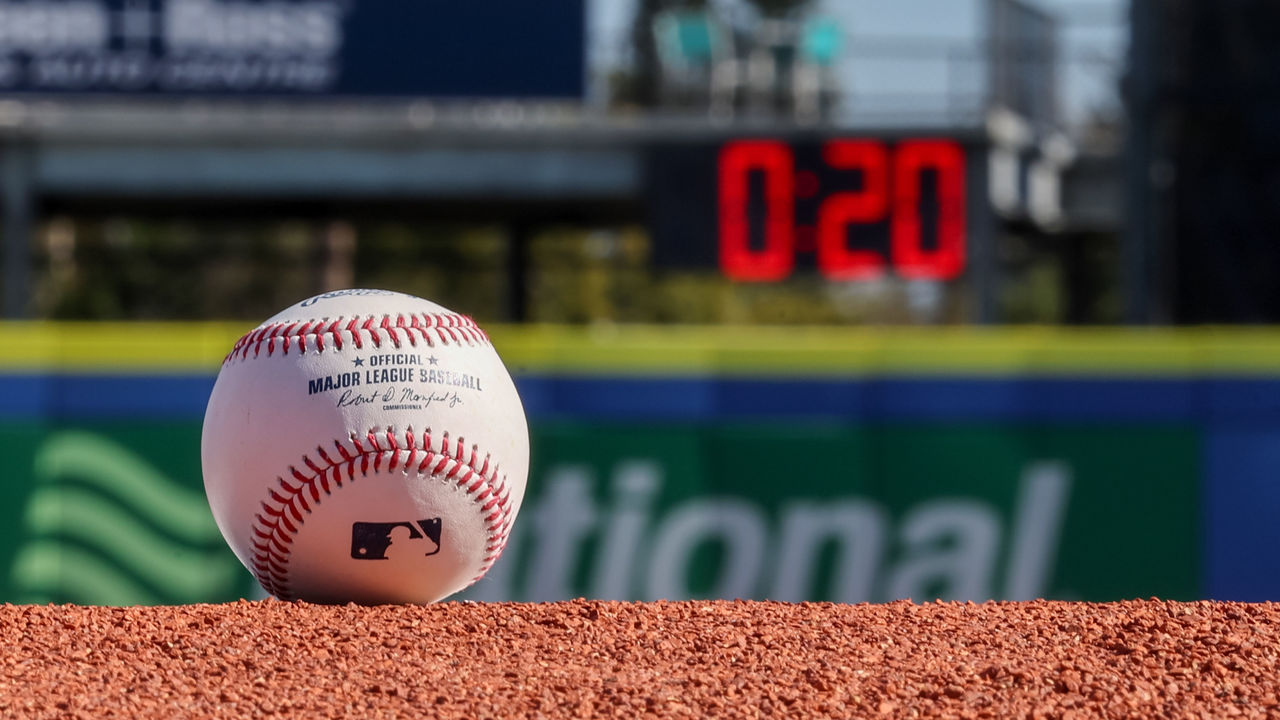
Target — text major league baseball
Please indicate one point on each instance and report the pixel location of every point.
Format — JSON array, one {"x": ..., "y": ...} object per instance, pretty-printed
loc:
[{"x": 393, "y": 368}]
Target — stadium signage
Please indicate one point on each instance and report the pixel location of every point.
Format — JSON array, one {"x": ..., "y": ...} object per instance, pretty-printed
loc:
[
  {"x": 290, "y": 47},
  {"x": 948, "y": 547}
]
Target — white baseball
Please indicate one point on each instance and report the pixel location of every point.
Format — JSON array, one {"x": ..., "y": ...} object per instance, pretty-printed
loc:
[{"x": 365, "y": 446}]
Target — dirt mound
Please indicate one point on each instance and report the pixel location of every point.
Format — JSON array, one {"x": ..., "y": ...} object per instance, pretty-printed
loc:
[{"x": 628, "y": 660}]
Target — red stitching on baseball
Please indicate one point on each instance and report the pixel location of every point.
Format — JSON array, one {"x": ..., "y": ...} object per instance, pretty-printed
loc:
[
  {"x": 285, "y": 509},
  {"x": 432, "y": 328}
]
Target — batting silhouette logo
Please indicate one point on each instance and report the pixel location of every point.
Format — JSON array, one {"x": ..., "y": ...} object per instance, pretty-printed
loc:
[{"x": 370, "y": 540}]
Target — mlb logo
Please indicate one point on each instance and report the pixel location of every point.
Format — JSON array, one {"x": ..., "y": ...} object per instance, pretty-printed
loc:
[{"x": 370, "y": 540}]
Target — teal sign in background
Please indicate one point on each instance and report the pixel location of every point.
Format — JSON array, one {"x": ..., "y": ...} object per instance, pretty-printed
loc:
[
  {"x": 114, "y": 512},
  {"x": 110, "y": 513},
  {"x": 847, "y": 513}
]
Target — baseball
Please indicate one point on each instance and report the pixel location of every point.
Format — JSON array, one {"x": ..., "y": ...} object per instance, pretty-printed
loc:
[{"x": 365, "y": 446}]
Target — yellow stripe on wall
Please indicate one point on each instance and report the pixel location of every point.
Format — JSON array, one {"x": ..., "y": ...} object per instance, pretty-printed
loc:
[
  {"x": 117, "y": 347},
  {"x": 890, "y": 351},
  {"x": 695, "y": 350}
]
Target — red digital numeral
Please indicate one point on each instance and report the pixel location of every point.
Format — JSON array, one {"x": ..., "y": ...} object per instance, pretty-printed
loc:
[
  {"x": 892, "y": 185},
  {"x": 910, "y": 258},
  {"x": 841, "y": 210},
  {"x": 737, "y": 258}
]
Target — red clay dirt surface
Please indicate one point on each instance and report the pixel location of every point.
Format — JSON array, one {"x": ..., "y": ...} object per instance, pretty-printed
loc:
[{"x": 1140, "y": 659}]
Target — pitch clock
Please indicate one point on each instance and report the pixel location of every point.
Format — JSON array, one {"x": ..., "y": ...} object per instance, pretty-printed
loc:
[{"x": 849, "y": 208}]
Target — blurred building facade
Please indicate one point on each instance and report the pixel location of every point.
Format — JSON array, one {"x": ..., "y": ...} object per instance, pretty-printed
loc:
[
  {"x": 144, "y": 156},
  {"x": 1202, "y": 94}
]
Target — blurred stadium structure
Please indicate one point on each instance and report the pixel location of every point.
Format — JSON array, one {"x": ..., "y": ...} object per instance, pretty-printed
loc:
[
  {"x": 168, "y": 137},
  {"x": 698, "y": 228}
]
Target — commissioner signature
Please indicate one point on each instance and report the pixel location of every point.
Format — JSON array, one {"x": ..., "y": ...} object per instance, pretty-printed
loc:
[{"x": 394, "y": 398}]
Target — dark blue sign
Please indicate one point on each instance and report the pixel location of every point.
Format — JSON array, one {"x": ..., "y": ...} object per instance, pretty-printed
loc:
[{"x": 469, "y": 49}]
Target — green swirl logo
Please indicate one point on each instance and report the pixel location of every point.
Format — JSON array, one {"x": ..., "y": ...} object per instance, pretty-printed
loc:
[{"x": 104, "y": 527}]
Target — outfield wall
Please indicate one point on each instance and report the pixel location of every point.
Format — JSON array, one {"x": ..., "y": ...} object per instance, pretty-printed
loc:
[{"x": 816, "y": 463}]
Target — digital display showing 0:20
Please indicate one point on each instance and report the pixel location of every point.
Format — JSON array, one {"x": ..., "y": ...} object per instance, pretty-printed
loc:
[{"x": 849, "y": 208}]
